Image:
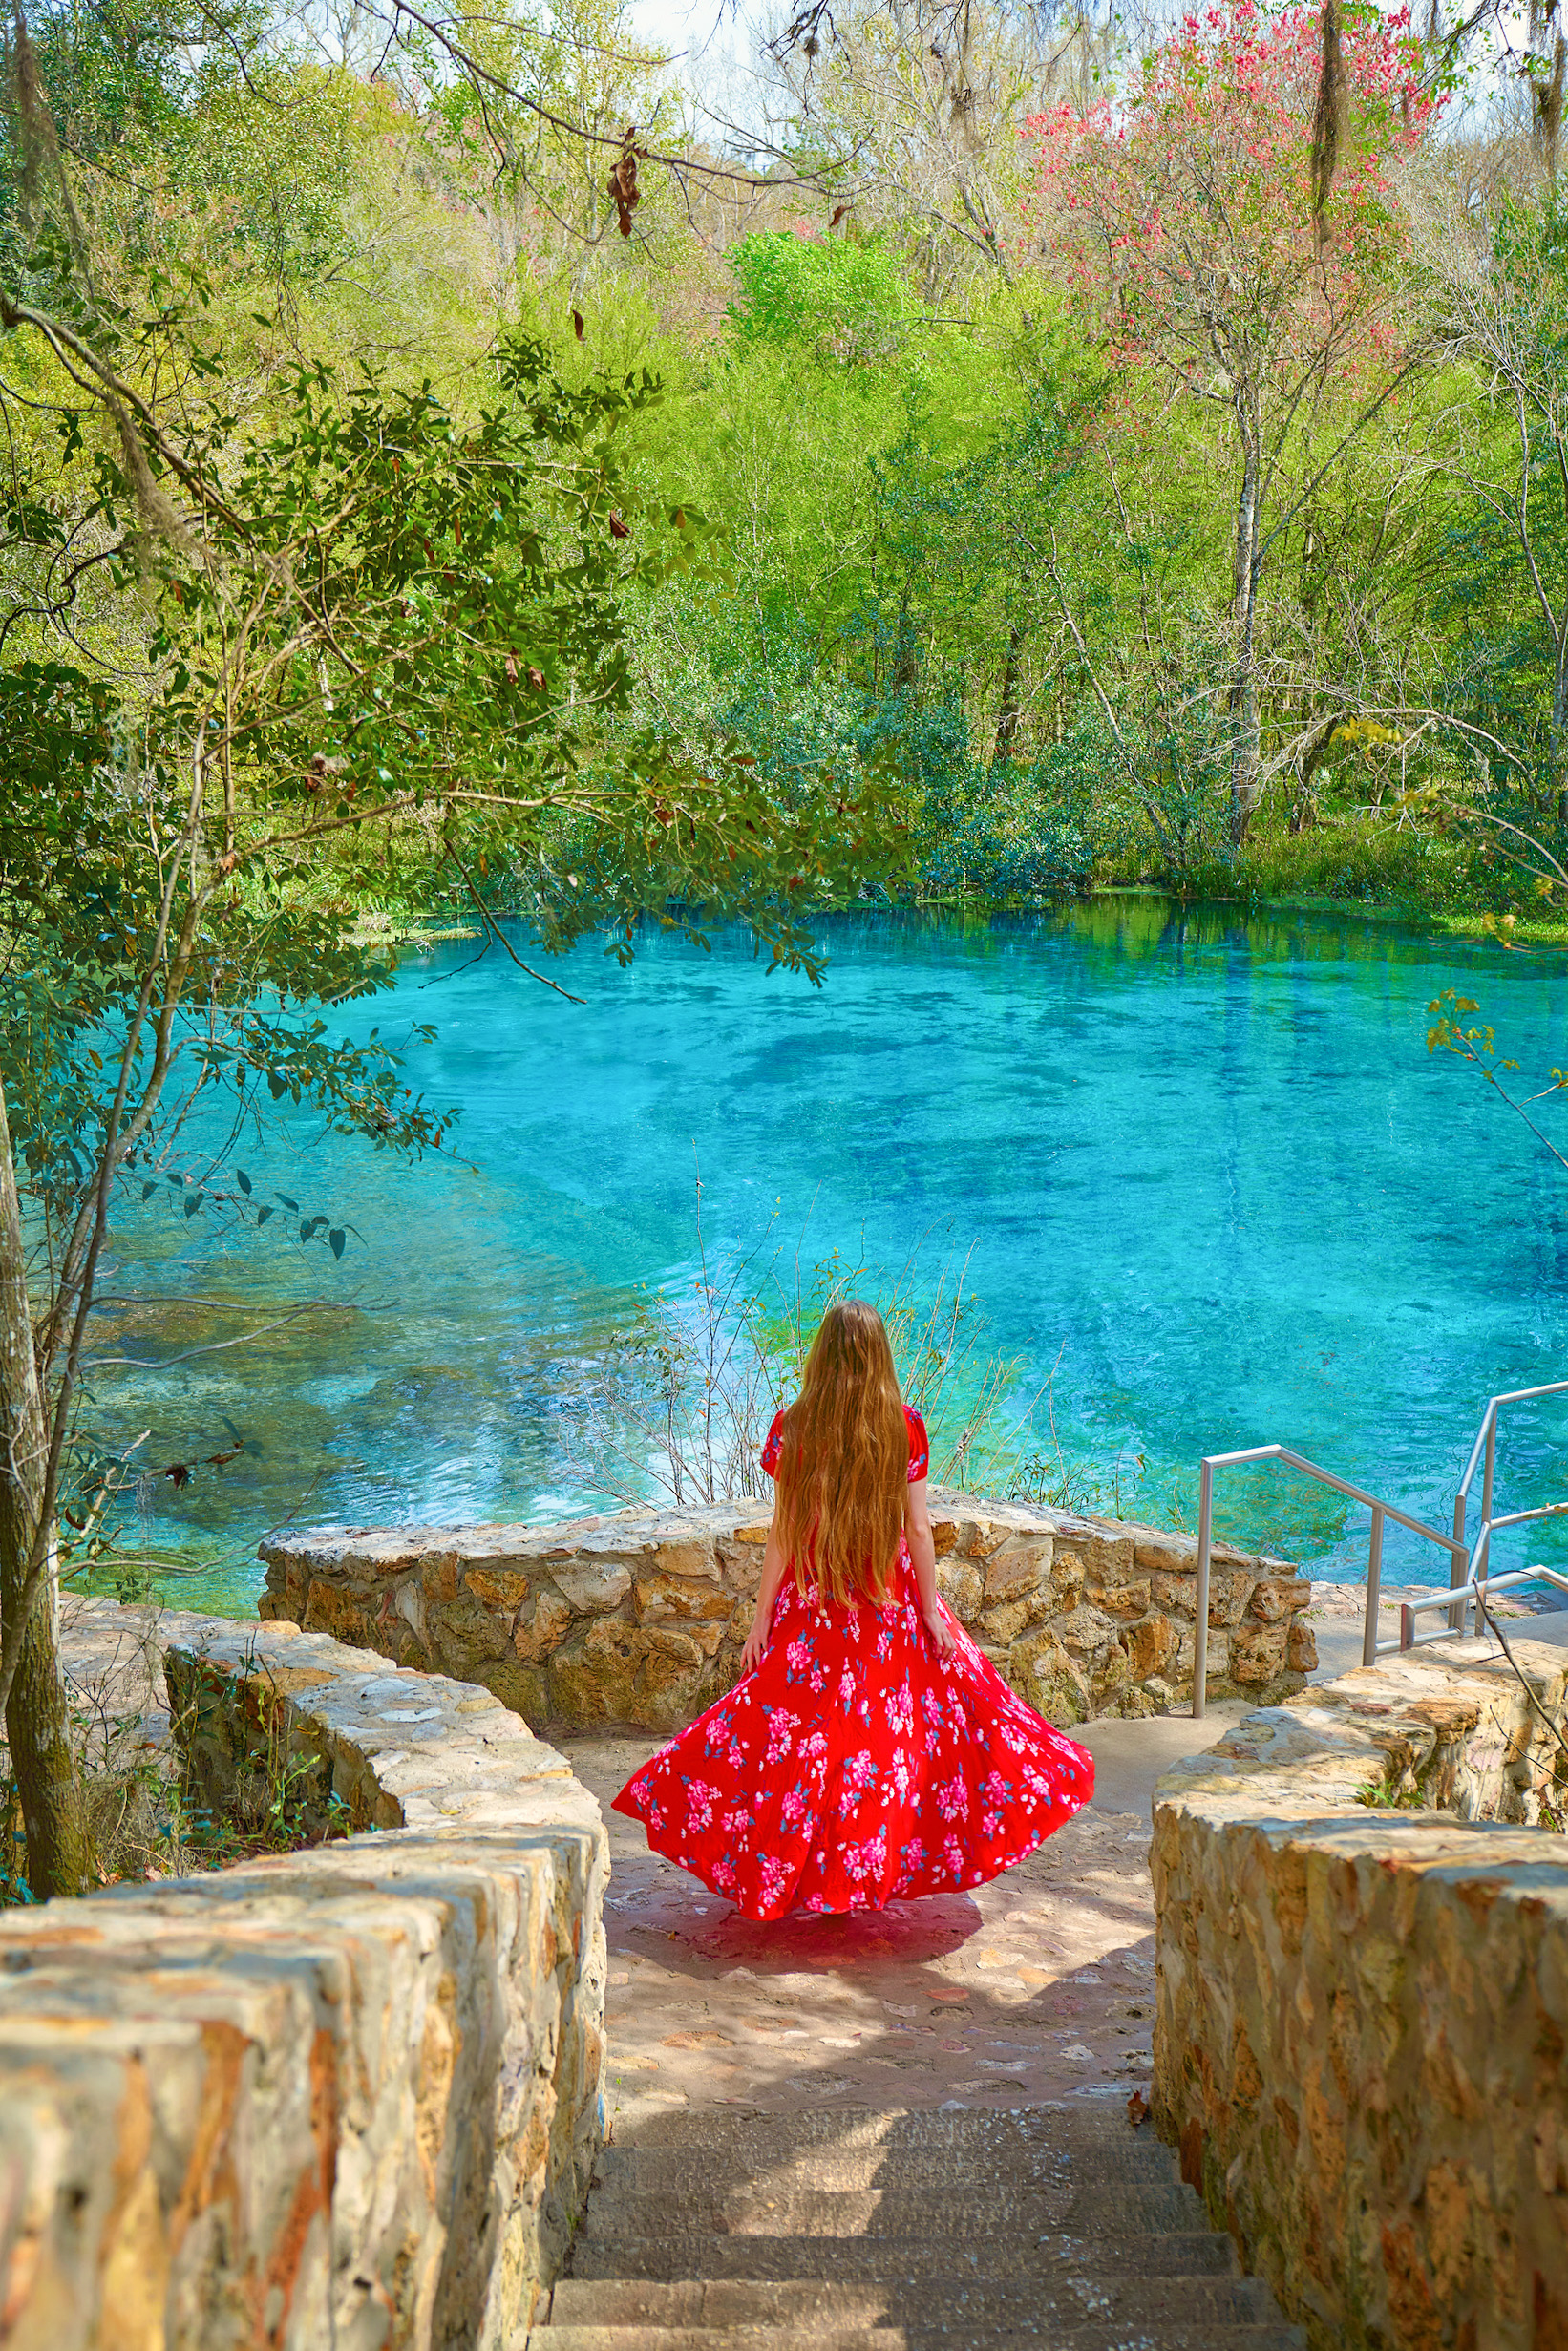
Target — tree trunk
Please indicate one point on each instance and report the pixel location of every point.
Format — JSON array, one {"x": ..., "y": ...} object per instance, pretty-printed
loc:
[
  {"x": 1246, "y": 742},
  {"x": 37, "y": 1723},
  {"x": 1009, "y": 714},
  {"x": 1328, "y": 119},
  {"x": 1546, "y": 99}
]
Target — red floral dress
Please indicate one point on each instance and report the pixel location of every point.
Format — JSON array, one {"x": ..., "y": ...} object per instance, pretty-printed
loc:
[{"x": 854, "y": 1766}]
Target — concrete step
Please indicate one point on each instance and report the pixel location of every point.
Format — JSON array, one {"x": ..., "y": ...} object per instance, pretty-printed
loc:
[
  {"x": 1024, "y": 2229},
  {"x": 870, "y": 2260},
  {"x": 770, "y": 2208},
  {"x": 1061, "y": 2123},
  {"x": 1090, "y": 2335},
  {"x": 934, "y": 2309},
  {"x": 1133, "y": 2160}
]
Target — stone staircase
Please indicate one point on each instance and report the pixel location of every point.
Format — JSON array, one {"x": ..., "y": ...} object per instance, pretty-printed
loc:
[{"x": 845, "y": 2229}]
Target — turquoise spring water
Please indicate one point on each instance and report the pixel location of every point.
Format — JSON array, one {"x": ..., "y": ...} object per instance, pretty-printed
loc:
[{"x": 1203, "y": 1165}]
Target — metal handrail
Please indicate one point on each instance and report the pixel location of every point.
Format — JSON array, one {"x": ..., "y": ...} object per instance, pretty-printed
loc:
[
  {"x": 1478, "y": 1589},
  {"x": 1464, "y": 1559}
]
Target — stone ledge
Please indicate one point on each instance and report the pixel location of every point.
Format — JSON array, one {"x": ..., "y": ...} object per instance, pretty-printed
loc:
[
  {"x": 1362, "y": 2012},
  {"x": 348, "y": 2094},
  {"x": 638, "y": 1617}
]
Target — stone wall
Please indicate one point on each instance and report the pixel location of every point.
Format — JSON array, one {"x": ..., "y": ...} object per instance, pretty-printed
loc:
[
  {"x": 346, "y": 2095},
  {"x": 1362, "y": 2013},
  {"x": 639, "y": 1617}
]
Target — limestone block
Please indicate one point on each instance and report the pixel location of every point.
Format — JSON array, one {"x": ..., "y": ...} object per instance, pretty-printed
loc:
[
  {"x": 439, "y": 1575},
  {"x": 1107, "y": 1555},
  {"x": 690, "y": 1559},
  {"x": 1258, "y": 1653},
  {"x": 1086, "y": 1632},
  {"x": 625, "y": 1673},
  {"x": 678, "y": 1598},
  {"x": 1149, "y": 1645},
  {"x": 1300, "y": 1649},
  {"x": 462, "y": 1633},
  {"x": 1040, "y": 1669},
  {"x": 684, "y": 1644},
  {"x": 406, "y": 1648},
  {"x": 1275, "y": 1596},
  {"x": 978, "y": 1537},
  {"x": 1001, "y": 1624},
  {"x": 1139, "y": 1700},
  {"x": 1066, "y": 1575},
  {"x": 960, "y": 1587},
  {"x": 496, "y": 1587},
  {"x": 1016, "y": 1568},
  {"x": 592, "y": 1587},
  {"x": 1126, "y": 1600},
  {"x": 1174, "y": 1594},
  {"x": 1164, "y": 1553},
  {"x": 1229, "y": 1591},
  {"x": 943, "y": 1533},
  {"x": 742, "y": 1565},
  {"x": 341, "y": 1615},
  {"x": 541, "y": 1633},
  {"x": 1112, "y": 1672},
  {"x": 1217, "y": 1656}
]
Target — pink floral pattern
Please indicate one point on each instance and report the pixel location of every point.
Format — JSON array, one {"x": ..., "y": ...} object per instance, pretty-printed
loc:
[{"x": 855, "y": 1768}]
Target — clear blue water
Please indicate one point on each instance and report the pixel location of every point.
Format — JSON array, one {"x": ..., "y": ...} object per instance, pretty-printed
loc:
[{"x": 1206, "y": 1164}]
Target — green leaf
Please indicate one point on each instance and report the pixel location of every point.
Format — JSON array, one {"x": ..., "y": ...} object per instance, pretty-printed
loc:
[
  {"x": 243, "y": 1180},
  {"x": 337, "y": 1240}
]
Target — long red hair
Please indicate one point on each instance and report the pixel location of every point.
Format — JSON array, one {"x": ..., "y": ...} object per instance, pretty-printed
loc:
[{"x": 843, "y": 1465}]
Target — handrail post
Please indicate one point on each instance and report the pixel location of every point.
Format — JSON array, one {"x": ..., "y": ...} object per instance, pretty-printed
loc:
[
  {"x": 1491, "y": 1461},
  {"x": 1374, "y": 1578},
  {"x": 1200, "y": 1626},
  {"x": 1459, "y": 1566}
]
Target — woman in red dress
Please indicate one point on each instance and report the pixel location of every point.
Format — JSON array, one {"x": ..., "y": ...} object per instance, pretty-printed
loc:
[{"x": 869, "y": 1751}]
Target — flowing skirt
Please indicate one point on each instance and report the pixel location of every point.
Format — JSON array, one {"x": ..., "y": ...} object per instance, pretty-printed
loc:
[{"x": 854, "y": 1766}]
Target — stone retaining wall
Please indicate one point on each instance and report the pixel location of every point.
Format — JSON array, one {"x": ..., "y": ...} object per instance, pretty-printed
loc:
[
  {"x": 347, "y": 2095},
  {"x": 639, "y": 1617},
  {"x": 1362, "y": 2010}
]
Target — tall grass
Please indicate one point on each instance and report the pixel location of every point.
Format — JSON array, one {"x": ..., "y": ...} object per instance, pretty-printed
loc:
[{"x": 682, "y": 1399}]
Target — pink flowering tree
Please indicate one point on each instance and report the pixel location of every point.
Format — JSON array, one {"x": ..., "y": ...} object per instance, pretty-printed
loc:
[{"x": 1200, "y": 233}]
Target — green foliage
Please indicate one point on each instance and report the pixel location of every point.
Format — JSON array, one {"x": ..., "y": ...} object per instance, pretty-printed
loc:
[
  {"x": 1379, "y": 1796},
  {"x": 1013, "y": 831},
  {"x": 367, "y": 634},
  {"x": 845, "y": 301}
]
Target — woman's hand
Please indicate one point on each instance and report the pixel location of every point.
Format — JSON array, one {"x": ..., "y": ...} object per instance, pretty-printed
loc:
[
  {"x": 940, "y": 1630},
  {"x": 757, "y": 1641}
]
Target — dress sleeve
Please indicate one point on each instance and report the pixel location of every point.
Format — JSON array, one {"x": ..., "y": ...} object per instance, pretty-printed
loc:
[
  {"x": 776, "y": 1440},
  {"x": 920, "y": 1446}
]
